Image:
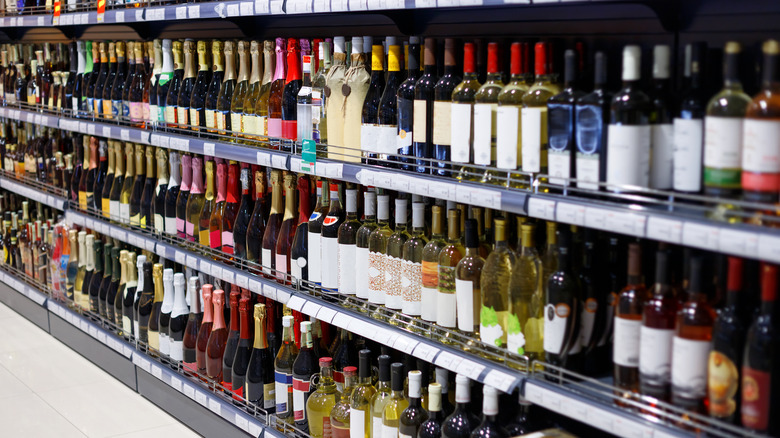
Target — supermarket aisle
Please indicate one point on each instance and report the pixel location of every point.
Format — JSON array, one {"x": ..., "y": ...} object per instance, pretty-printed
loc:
[{"x": 47, "y": 389}]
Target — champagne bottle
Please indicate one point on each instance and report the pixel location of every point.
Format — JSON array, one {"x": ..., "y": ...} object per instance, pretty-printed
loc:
[
  {"x": 166, "y": 309},
  {"x": 222, "y": 110},
  {"x": 172, "y": 194},
  {"x": 160, "y": 190},
  {"x": 153, "y": 323},
  {"x": 231, "y": 344},
  {"x": 178, "y": 320},
  {"x": 292, "y": 86},
  {"x": 205, "y": 329},
  {"x": 256, "y": 228},
  {"x": 242, "y": 85},
  {"x": 268, "y": 256},
  {"x": 252, "y": 94},
  {"x": 212, "y": 93},
  {"x": 244, "y": 214},
  {"x": 147, "y": 197},
  {"x": 215, "y": 221},
  {"x": 283, "y": 372},
  {"x": 260, "y": 388},
  {"x": 129, "y": 327},
  {"x": 145, "y": 301},
  {"x": 215, "y": 348},
  {"x": 287, "y": 231},
  {"x": 303, "y": 368},
  {"x": 197, "y": 99},
  {"x": 188, "y": 83},
  {"x": 192, "y": 330},
  {"x": 138, "y": 186},
  {"x": 243, "y": 350},
  {"x": 183, "y": 196},
  {"x": 360, "y": 400},
  {"x": 299, "y": 265},
  {"x": 174, "y": 87}
]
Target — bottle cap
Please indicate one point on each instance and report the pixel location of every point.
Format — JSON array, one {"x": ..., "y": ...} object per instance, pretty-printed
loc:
[
  {"x": 400, "y": 211},
  {"x": 384, "y": 368},
  {"x": 434, "y": 397},
  {"x": 364, "y": 358},
  {"x": 418, "y": 215},
  {"x": 661, "y": 56},
  {"x": 397, "y": 376},
  {"x": 415, "y": 378},
  {"x": 489, "y": 400},
  {"x": 462, "y": 389},
  {"x": 168, "y": 274},
  {"x": 287, "y": 321},
  {"x": 472, "y": 238},
  {"x": 632, "y": 63},
  {"x": 735, "y": 274},
  {"x": 325, "y": 362},
  {"x": 305, "y": 326}
]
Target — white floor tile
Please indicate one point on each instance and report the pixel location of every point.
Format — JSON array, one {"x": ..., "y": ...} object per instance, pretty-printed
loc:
[
  {"x": 52, "y": 366},
  {"x": 106, "y": 408},
  {"x": 12, "y": 386},
  {"x": 28, "y": 416},
  {"x": 21, "y": 334},
  {"x": 177, "y": 430}
]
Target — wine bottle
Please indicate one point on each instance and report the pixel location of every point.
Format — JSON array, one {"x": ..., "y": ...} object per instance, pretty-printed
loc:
[
  {"x": 156, "y": 108},
  {"x": 628, "y": 323},
  {"x": 283, "y": 364},
  {"x": 256, "y": 228},
  {"x": 252, "y": 94},
  {"x": 87, "y": 85},
  {"x": 207, "y": 205},
  {"x": 728, "y": 341},
  {"x": 462, "y": 421},
  {"x": 396, "y": 403},
  {"x": 164, "y": 80},
  {"x": 759, "y": 178},
  {"x": 299, "y": 251},
  {"x": 494, "y": 287},
  {"x": 82, "y": 283},
  {"x": 112, "y": 296},
  {"x": 182, "y": 100},
  {"x": 178, "y": 321},
  {"x": 430, "y": 267},
  {"x": 244, "y": 214},
  {"x": 318, "y": 98},
  {"x": 132, "y": 72},
  {"x": 361, "y": 246},
  {"x": 275, "y": 96},
  {"x": 243, "y": 351},
  {"x": 347, "y": 240},
  {"x": 117, "y": 183},
  {"x": 629, "y": 133},
  {"x": 166, "y": 309},
  {"x": 230, "y": 211},
  {"x": 215, "y": 348},
  {"x": 261, "y": 105},
  {"x": 321, "y": 401},
  {"x": 489, "y": 428},
  {"x": 108, "y": 182},
  {"x": 205, "y": 329},
  {"x": 127, "y": 187},
  {"x": 330, "y": 245},
  {"x": 138, "y": 186},
  {"x": 292, "y": 85},
  {"x": 197, "y": 98},
  {"x": 174, "y": 87},
  {"x": 305, "y": 122},
  {"x": 95, "y": 258},
  {"x": 422, "y": 131},
  {"x": 461, "y": 111},
  {"x": 431, "y": 427},
  {"x": 591, "y": 117},
  {"x": 128, "y": 320},
  {"x": 217, "y": 213},
  {"x": 723, "y": 125},
  {"x": 183, "y": 196},
  {"x": 759, "y": 390},
  {"x": 393, "y": 260},
  {"x": 315, "y": 232},
  {"x": 100, "y": 174},
  {"x": 215, "y": 86},
  {"x": 232, "y": 340},
  {"x": 405, "y": 104},
  {"x": 146, "y": 219},
  {"x": 412, "y": 417},
  {"x": 135, "y": 93},
  {"x": 303, "y": 368},
  {"x": 369, "y": 133},
  {"x": 661, "y": 118},
  {"x": 411, "y": 265},
  {"x": 387, "y": 108},
  {"x": 485, "y": 111},
  {"x": 286, "y": 232},
  {"x": 171, "y": 195},
  {"x": 443, "y": 90},
  {"x": 105, "y": 281},
  {"x": 241, "y": 87},
  {"x": 156, "y": 309},
  {"x": 225, "y": 96},
  {"x": 689, "y": 128},
  {"x": 449, "y": 256},
  {"x": 192, "y": 330},
  {"x": 691, "y": 343},
  {"x": 260, "y": 388},
  {"x": 534, "y": 115},
  {"x": 340, "y": 414},
  {"x": 468, "y": 273},
  {"x": 274, "y": 224},
  {"x": 118, "y": 87},
  {"x": 145, "y": 300},
  {"x": 561, "y": 124},
  {"x": 160, "y": 190}
]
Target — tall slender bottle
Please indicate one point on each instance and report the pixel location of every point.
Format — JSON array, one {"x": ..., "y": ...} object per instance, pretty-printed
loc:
[
  {"x": 662, "y": 117},
  {"x": 136, "y": 89},
  {"x": 396, "y": 403},
  {"x": 156, "y": 310},
  {"x": 299, "y": 252},
  {"x": 275, "y": 95},
  {"x": 370, "y": 111},
  {"x": 105, "y": 196},
  {"x": 256, "y": 228},
  {"x": 305, "y": 123},
  {"x": 166, "y": 309},
  {"x": 197, "y": 98},
  {"x": 138, "y": 185},
  {"x": 318, "y": 98},
  {"x": 462, "y": 420},
  {"x": 314, "y": 240},
  {"x": 261, "y": 106},
  {"x": 405, "y": 104},
  {"x": 274, "y": 223},
  {"x": 212, "y": 93},
  {"x": 232, "y": 199},
  {"x": 113, "y": 297},
  {"x": 128, "y": 325},
  {"x": 561, "y": 124},
  {"x": 562, "y": 307},
  {"x": 127, "y": 186},
  {"x": 222, "y": 110},
  {"x": 689, "y": 127},
  {"x": 461, "y": 111},
  {"x": 171, "y": 195},
  {"x": 119, "y": 80},
  {"x": 330, "y": 248},
  {"x": 178, "y": 320},
  {"x": 411, "y": 418},
  {"x": 215, "y": 221},
  {"x": 96, "y": 253},
  {"x": 347, "y": 240},
  {"x": 362, "y": 238},
  {"x": 534, "y": 137},
  {"x": 387, "y": 112},
  {"x": 164, "y": 81},
  {"x": 175, "y": 87},
  {"x": 393, "y": 261},
  {"x": 628, "y": 323},
  {"x": 381, "y": 395},
  {"x": 287, "y": 230},
  {"x": 160, "y": 190},
  {"x": 303, "y": 369},
  {"x": 243, "y": 349},
  {"x": 207, "y": 206},
  {"x": 188, "y": 83},
  {"x": 360, "y": 400},
  {"x": 283, "y": 372},
  {"x": 145, "y": 303},
  {"x": 260, "y": 387},
  {"x": 244, "y": 214},
  {"x": 292, "y": 85},
  {"x": 441, "y": 138},
  {"x": 242, "y": 85},
  {"x": 449, "y": 256},
  {"x": 191, "y": 331},
  {"x": 204, "y": 332},
  {"x": 147, "y": 198},
  {"x": 217, "y": 339},
  {"x": 252, "y": 94},
  {"x": 494, "y": 287},
  {"x": 424, "y": 95},
  {"x": 183, "y": 197},
  {"x": 430, "y": 266},
  {"x": 231, "y": 344},
  {"x": 591, "y": 119}
]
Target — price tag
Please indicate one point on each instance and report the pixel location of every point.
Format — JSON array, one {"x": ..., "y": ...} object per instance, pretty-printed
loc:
[
  {"x": 255, "y": 429},
  {"x": 216, "y": 271},
  {"x": 424, "y": 3},
  {"x": 576, "y": 409},
  {"x": 321, "y": 6},
  {"x": 255, "y": 286},
  {"x": 264, "y": 159},
  {"x": 470, "y": 369},
  {"x": 701, "y": 236},
  {"x": 242, "y": 422},
  {"x": 500, "y": 380},
  {"x": 192, "y": 262},
  {"x": 228, "y": 276},
  {"x": 181, "y": 144},
  {"x": 119, "y": 17},
  {"x": 176, "y": 384},
  {"x": 358, "y": 5},
  {"x": 215, "y": 406},
  {"x": 541, "y": 208},
  {"x": 405, "y": 344},
  {"x": 341, "y": 320},
  {"x": 627, "y": 223},
  {"x": 279, "y": 162},
  {"x": 262, "y": 7},
  {"x": 247, "y": 8},
  {"x": 157, "y": 372},
  {"x": 149, "y": 245},
  {"x": 205, "y": 267},
  {"x": 447, "y": 360},
  {"x": 602, "y": 420},
  {"x": 201, "y": 398},
  {"x": 426, "y": 352},
  {"x": 738, "y": 242},
  {"x": 208, "y": 149},
  {"x": 334, "y": 170},
  {"x": 193, "y": 11},
  {"x": 282, "y": 296},
  {"x": 339, "y": 5},
  {"x": 625, "y": 427},
  {"x": 596, "y": 218},
  {"x": 570, "y": 213},
  {"x": 269, "y": 291},
  {"x": 233, "y": 10},
  {"x": 189, "y": 391},
  {"x": 297, "y": 303},
  {"x": 181, "y": 13},
  {"x": 769, "y": 248},
  {"x": 325, "y": 314},
  {"x": 92, "y": 331},
  {"x": 276, "y": 6},
  {"x": 124, "y": 134},
  {"x": 667, "y": 230}
]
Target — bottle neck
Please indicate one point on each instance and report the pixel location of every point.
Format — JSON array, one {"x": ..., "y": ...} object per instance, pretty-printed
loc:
[
  {"x": 219, "y": 315},
  {"x": 221, "y": 183},
  {"x": 232, "y": 190},
  {"x": 260, "y": 333},
  {"x": 304, "y": 202}
]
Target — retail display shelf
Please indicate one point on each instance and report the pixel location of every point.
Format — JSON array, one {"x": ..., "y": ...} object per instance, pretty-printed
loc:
[{"x": 32, "y": 192}]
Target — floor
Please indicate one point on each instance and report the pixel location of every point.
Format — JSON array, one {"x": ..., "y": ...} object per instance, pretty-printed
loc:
[{"x": 47, "y": 389}]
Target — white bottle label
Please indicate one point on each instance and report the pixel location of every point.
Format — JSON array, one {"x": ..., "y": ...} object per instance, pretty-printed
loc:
[
  {"x": 281, "y": 266},
  {"x": 315, "y": 257},
  {"x": 460, "y": 132},
  {"x": 464, "y": 291},
  {"x": 555, "y": 319},
  {"x": 361, "y": 272},
  {"x": 330, "y": 262},
  {"x": 170, "y": 225},
  {"x": 446, "y": 312},
  {"x": 628, "y": 155},
  {"x": 386, "y": 142},
  {"x": 723, "y": 142},
  {"x": 159, "y": 222},
  {"x": 559, "y": 165},
  {"x": 420, "y": 121},
  {"x": 113, "y": 209},
  {"x": 265, "y": 259},
  {"x": 357, "y": 423},
  {"x": 507, "y": 136},
  {"x": 164, "y": 347},
  {"x": 376, "y": 427},
  {"x": 483, "y": 125},
  {"x": 626, "y": 344},
  {"x": 760, "y": 152},
  {"x": 376, "y": 277},
  {"x": 235, "y": 122},
  {"x": 249, "y": 123},
  {"x": 126, "y": 324},
  {"x": 655, "y": 353},
  {"x": 689, "y": 367},
  {"x": 442, "y": 116},
  {"x": 392, "y": 285},
  {"x": 176, "y": 350},
  {"x": 368, "y": 137},
  {"x": 534, "y": 124},
  {"x": 662, "y": 168},
  {"x": 170, "y": 114},
  {"x": 411, "y": 288},
  {"x": 181, "y": 116},
  {"x": 429, "y": 303},
  {"x": 688, "y": 144},
  {"x": 389, "y": 431},
  {"x": 347, "y": 261},
  {"x": 124, "y": 213},
  {"x": 296, "y": 267},
  {"x": 588, "y": 171}
]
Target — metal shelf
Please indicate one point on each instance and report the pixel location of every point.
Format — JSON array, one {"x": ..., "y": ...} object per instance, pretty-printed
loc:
[{"x": 34, "y": 190}]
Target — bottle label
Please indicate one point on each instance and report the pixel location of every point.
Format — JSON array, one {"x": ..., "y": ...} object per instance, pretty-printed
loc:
[
  {"x": 215, "y": 239},
  {"x": 420, "y": 118},
  {"x": 428, "y": 291},
  {"x": 266, "y": 259},
  {"x": 113, "y": 209},
  {"x": 289, "y": 129},
  {"x": 556, "y": 317},
  {"x": 170, "y": 225},
  {"x": 357, "y": 423},
  {"x": 181, "y": 227},
  {"x": 347, "y": 262},
  {"x": 283, "y": 391},
  {"x": 587, "y": 321},
  {"x": 127, "y": 325},
  {"x": 146, "y": 111},
  {"x": 368, "y": 137},
  {"x": 211, "y": 119},
  {"x": 249, "y": 123},
  {"x": 534, "y": 138},
  {"x": 274, "y": 127},
  {"x": 389, "y": 431},
  {"x": 222, "y": 120},
  {"x": 107, "y": 108},
  {"x": 376, "y": 427},
  {"x": 688, "y": 142},
  {"x": 136, "y": 111},
  {"x": 165, "y": 347},
  {"x": 722, "y": 385},
  {"x": 376, "y": 277},
  {"x": 484, "y": 133},
  {"x": 759, "y": 153},
  {"x": 507, "y": 137},
  {"x": 447, "y": 300},
  {"x": 301, "y": 391},
  {"x": 626, "y": 344},
  {"x": 386, "y": 142},
  {"x": 194, "y": 117},
  {"x": 330, "y": 262},
  {"x": 722, "y": 151},
  {"x": 628, "y": 155},
  {"x": 689, "y": 367},
  {"x": 281, "y": 266},
  {"x": 405, "y": 124},
  {"x": 296, "y": 267},
  {"x": 124, "y": 212},
  {"x": 559, "y": 166},
  {"x": 235, "y": 122},
  {"x": 227, "y": 242},
  {"x": 411, "y": 288},
  {"x": 442, "y": 129},
  {"x": 269, "y": 395},
  {"x": 655, "y": 354},
  {"x": 756, "y": 392},
  {"x": 392, "y": 284},
  {"x": 662, "y": 168},
  {"x": 361, "y": 272},
  {"x": 170, "y": 114},
  {"x": 262, "y": 125},
  {"x": 189, "y": 228},
  {"x": 466, "y": 299},
  {"x": 460, "y": 132},
  {"x": 203, "y": 237},
  {"x": 315, "y": 256},
  {"x": 492, "y": 326},
  {"x": 588, "y": 171},
  {"x": 181, "y": 116},
  {"x": 116, "y": 108}
]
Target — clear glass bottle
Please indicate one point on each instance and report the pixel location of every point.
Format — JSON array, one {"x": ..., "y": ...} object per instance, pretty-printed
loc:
[
  {"x": 494, "y": 287},
  {"x": 340, "y": 415},
  {"x": 396, "y": 404},
  {"x": 283, "y": 371},
  {"x": 322, "y": 401},
  {"x": 449, "y": 256},
  {"x": 360, "y": 400}
]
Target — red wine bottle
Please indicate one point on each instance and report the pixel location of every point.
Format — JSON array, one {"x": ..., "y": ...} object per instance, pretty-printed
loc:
[
  {"x": 299, "y": 253},
  {"x": 290, "y": 93}
]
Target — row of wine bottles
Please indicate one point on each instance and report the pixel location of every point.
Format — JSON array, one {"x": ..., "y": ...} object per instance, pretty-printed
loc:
[
  {"x": 432, "y": 122},
  {"x": 27, "y": 236}
]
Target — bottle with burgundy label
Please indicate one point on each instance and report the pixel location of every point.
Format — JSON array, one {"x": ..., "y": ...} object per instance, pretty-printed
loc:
[{"x": 230, "y": 212}]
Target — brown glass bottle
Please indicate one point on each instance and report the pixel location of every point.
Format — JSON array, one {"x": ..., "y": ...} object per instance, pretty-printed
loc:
[
  {"x": 628, "y": 321},
  {"x": 205, "y": 329},
  {"x": 215, "y": 222},
  {"x": 256, "y": 229},
  {"x": 286, "y": 231},
  {"x": 232, "y": 198},
  {"x": 268, "y": 251},
  {"x": 215, "y": 348}
]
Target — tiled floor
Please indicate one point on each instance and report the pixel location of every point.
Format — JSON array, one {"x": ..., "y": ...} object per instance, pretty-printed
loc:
[{"x": 47, "y": 389}]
